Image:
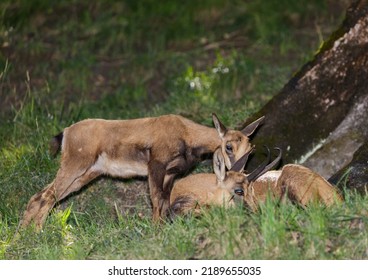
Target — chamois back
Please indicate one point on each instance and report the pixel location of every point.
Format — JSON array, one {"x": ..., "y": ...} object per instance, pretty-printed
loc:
[
  {"x": 294, "y": 182},
  {"x": 304, "y": 186}
]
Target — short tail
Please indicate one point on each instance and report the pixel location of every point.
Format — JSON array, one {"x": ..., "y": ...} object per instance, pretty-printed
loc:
[{"x": 55, "y": 143}]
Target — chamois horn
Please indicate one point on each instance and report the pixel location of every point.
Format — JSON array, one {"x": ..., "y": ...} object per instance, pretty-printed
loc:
[{"x": 265, "y": 166}]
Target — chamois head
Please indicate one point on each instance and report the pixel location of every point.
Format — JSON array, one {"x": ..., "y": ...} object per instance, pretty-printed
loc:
[
  {"x": 232, "y": 180},
  {"x": 235, "y": 143},
  {"x": 247, "y": 191},
  {"x": 237, "y": 182}
]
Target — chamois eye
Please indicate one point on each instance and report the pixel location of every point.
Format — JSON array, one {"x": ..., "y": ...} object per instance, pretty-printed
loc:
[
  {"x": 239, "y": 192},
  {"x": 229, "y": 148}
]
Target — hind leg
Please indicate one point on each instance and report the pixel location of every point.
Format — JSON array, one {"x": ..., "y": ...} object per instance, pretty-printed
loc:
[{"x": 41, "y": 203}]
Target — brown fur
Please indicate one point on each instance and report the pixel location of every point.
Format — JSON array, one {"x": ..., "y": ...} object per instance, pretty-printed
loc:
[
  {"x": 295, "y": 182},
  {"x": 160, "y": 148},
  {"x": 205, "y": 189}
]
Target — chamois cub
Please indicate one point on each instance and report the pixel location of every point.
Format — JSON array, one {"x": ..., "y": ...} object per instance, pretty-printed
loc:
[
  {"x": 160, "y": 148},
  {"x": 295, "y": 182},
  {"x": 221, "y": 189}
]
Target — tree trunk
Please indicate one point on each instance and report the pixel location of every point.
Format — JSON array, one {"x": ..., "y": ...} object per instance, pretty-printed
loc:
[
  {"x": 355, "y": 174},
  {"x": 320, "y": 117}
]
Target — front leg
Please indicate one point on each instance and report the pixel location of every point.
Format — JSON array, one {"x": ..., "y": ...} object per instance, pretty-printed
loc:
[
  {"x": 156, "y": 175},
  {"x": 176, "y": 167}
]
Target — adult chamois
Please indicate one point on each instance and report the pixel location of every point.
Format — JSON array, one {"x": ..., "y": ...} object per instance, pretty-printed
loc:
[{"x": 158, "y": 147}]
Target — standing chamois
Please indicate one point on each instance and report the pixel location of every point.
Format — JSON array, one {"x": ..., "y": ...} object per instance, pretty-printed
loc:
[
  {"x": 160, "y": 148},
  {"x": 298, "y": 183}
]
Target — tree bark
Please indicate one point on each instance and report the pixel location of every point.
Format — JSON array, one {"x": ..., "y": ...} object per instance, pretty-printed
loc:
[
  {"x": 320, "y": 117},
  {"x": 355, "y": 174}
]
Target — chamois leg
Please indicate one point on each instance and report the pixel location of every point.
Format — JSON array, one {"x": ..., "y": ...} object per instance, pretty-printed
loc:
[
  {"x": 177, "y": 166},
  {"x": 167, "y": 187},
  {"x": 156, "y": 174},
  {"x": 38, "y": 206},
  {"x": 41, "y": 203}
]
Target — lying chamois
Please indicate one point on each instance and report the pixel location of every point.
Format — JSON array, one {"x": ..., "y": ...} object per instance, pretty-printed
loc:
[
  {"x": 298, "y": 183},
  {"x": 222, "y": 188},
  {"x": 295, "y": 182},
  {"x": 160, "y": 148}
]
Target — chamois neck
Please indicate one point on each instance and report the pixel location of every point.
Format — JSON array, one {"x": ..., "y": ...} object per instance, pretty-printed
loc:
[{"x": 207, "y": 138}]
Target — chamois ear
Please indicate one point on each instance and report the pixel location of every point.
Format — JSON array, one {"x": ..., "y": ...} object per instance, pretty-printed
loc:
[
  {"x": 249, "y": 129},
  {"x": 240, "y": 163},
  {"x": 221, "y": 129},
  {"x": 219, "y": 165}
]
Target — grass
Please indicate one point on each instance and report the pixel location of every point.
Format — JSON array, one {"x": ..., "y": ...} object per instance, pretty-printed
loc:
[
  {"x": 63, "y": 61},
  {"x": 283, "y": 232}
]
